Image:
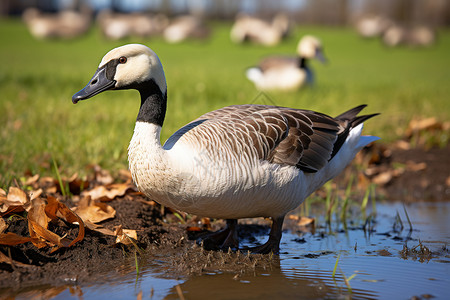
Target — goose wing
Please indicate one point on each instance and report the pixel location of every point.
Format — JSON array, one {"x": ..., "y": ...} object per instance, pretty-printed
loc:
[
  {"x": 273, "y": 62},
  {"x": 301, "y": 138}
]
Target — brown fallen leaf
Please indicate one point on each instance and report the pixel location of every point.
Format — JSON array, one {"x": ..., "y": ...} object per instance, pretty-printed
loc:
[
  {"x": 40, "y": 214},
  {"x": 302, "y": 221},
  {"x": 101, "y": 176},
  {"x": 12, "y": 239},
  {"x": 99, "y": 228},
  {"x": 123, "y": 236},
  {"x": 3, "y": 225},
  {"x": 423, "y": 124},
  {"x": 66, "y": 214},
  {"x": 193, "y": 229},
  {"x": 108, "y": 192},
  {"x": 14, "y": 202},
  {"x": 35, "y": 194},
  {"x": 415, "y": 167},
  {"x": 94, "y": 211},
  {"x": 32, "y": 180},
  {"x": 382, "y": 178},
  {"x": 38, "y": 224}
]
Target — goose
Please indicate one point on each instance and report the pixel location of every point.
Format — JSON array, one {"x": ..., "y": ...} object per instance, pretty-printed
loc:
[
  {"x": 259, "y": 31},
  {"x": 185, "y": 27},
  {"x": 67, "y": 24},
  {"x": 240, "y": 161},
  {"x": 287, "y": 73},
  {"x": 116, "y": 26}
]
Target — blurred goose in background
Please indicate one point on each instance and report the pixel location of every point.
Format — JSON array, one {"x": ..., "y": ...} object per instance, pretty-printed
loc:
[
  {"x": 372, "y": 26},
  {"x": 236, "y": 162},
  {"x": 67, "y": 24},
  {"x": 258, "y": 31},
  {"x": 186, "y": 27},
  {"x": 287, "y": 73},
  {"x": 116, "y": 26},
  {"x": 416, "y": 36}
]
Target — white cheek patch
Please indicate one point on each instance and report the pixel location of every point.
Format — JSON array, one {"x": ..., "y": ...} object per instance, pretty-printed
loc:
[{"x": 142, "y": 65}]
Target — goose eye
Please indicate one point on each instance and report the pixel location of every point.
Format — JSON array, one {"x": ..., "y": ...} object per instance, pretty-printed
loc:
[{"x": 122, "y": 60}]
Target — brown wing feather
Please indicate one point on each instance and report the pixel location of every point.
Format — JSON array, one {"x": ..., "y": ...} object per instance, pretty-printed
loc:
[
  {"x": 277, "y": 62},
  {"x": 301, "y": 138}
]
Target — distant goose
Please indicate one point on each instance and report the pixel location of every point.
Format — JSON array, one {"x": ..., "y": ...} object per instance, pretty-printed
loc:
[
  {"x": 186, "y": 27},
  {"x": 67, "y": 24},
  {"x": 115, "y": 26},
  {"x": 235, "y": 162},
  {"x": 258, "y": 31},
  {"x": 416, "y": 36},
  {"x": 287, "y": 73}
]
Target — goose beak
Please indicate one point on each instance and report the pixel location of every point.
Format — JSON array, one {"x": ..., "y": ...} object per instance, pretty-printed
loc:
[
  {"x": 98, "y": 83},
  {"x": 320, "y": 57}
]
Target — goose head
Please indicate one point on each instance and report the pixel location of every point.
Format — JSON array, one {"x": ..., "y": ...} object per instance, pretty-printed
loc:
[
  {"x": 132, "y": 66},
  {"x": 310, "y": 47}
]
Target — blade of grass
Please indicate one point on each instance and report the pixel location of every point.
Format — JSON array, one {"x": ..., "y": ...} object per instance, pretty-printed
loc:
[
  {"x": 335, "y": 265},
  {"x": 58, "y": 177},
  {"x": 136, "y": 263},
  {"x": 407, "y": 217}
]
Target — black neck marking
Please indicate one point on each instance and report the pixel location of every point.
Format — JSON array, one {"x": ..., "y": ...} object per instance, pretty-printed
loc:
[
  {"x": 153, "y": 103},
  {"x": 302, "y": 63}
]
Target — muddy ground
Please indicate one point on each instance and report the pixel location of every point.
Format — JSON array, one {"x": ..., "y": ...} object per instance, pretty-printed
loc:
[{"x": 160, "y": 233}]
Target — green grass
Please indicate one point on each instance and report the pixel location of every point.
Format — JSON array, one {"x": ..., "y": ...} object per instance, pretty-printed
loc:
[{"x": 38, "y": 122}]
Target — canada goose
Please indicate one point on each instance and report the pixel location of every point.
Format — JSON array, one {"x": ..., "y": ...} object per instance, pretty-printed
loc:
[
  {"x": 287, "y": 73},
  {"x": 259, "y": 31},
  {"x": 415, "y": 36},
  {"x": 371, "y": 26},
  {"x": 235, "y": 162},
  {"x": 116, "y": 26},
  {"x": 185, "y": 27},
  {"x": 66, "y": 24}
]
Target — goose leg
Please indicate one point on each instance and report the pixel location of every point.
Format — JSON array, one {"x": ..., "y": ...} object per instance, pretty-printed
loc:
[
  {"x": 273, "y": 244},
  {"x": 222, "y": 239}
]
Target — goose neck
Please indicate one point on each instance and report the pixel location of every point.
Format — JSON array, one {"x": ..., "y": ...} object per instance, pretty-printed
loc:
[
  {"x": 302, "y": 62},
  {"x": 153, "y": 104}
]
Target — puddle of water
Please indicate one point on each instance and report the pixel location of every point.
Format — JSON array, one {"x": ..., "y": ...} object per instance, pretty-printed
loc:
[{"x": 372, "y": 264}]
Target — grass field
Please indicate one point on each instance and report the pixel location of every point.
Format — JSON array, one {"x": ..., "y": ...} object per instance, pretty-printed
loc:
[{"x": 39, "y": 123}]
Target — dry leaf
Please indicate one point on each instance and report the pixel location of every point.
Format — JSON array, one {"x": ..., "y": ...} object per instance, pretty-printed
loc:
[
  {"x": 193, "y": 229},
  {"x": 102, "y": 176},
  {"x": 16, "y": 201},
  {"x": 38, "y": 224},
  {"x": 94, "y": 211},
  {"x": 123, "y": 235},
  {"x": 108, "y": 192},
  {"x": 412, "y": 166},
  {"x": 382, "y": 178},
  {"x": 67, "y": 215},
  {"x": 423, "y": 124},
  {"x": 302, "y": 221},
  {"x": 2, "y": 193},
  {"x": 32, "y": 180},
  {"x": 12, "y": 239},
  {"x": 40, "y": 215},
  {"x": 35, "y": 194},
  {"x": 3, "y": 225},
  {"x": 99, "y": 228}
]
